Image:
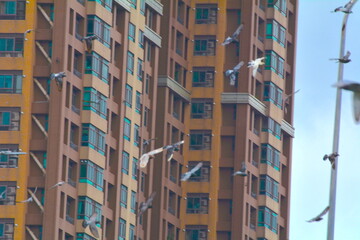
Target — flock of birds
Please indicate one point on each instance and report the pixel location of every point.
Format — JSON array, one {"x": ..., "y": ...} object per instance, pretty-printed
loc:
[{"x": 346, "y": 85}]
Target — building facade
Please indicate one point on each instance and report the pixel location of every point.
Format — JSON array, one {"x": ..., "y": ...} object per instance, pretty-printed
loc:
[{"x": 139, "y": 70}]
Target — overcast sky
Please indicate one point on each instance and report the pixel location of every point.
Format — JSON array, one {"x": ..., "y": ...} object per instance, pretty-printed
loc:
[{"x": 318, "y": 40}]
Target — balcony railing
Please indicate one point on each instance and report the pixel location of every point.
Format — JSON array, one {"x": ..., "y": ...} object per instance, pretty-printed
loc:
[{"x": 11, "y": 54}]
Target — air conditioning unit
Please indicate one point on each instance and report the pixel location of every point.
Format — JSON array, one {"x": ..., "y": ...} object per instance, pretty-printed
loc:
[
  {"x": 204, "y": 202},
  {"x": 207, "y": 107},
  {"x": 205, "y": 170},
  {"x": 11, "y": 190},
  {"x": 15, "y": 116},
  {"x": 202, "y": 235},
  {"x": 206, "y": 138},
  {"x": 9, "y": 227},
  {"x": 210, "y": 44},
  {"x": 209, "y": 76}
]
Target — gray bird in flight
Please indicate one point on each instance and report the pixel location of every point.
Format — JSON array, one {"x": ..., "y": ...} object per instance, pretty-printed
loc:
[
  {"x": 188, "y": 174},
  {"x": 319, "y": 217},
  {"x": 242, "y": 171},
  {"x": 146, "y": 143},
  {"x": 58, "y": 77},
  {"x": 254, "y": 64},
  {"x": 92, "y": 224},
  {"x": 231, "y": 73},
  {"x": 344, "y": 59},
  {"x": 26, "y": 32},
  {"x": 88, "y": 41},
  {"x": 145, "y": 205},
  {"x": 345, "y": 9},
  {"x": 332, "y": 157},
  {"x": 355, "y": 88},
  {"x": 59, "y": 184},
  {"x": 170, "y": 149},
  {"x": 234, "y": 36}
]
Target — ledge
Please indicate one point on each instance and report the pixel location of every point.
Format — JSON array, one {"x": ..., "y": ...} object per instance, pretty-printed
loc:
[
  {"x": 156, "y": 5},
  {"x": 286, "y": 127},
  {"x": 125, "y": 4},
  {"x": 166, "y": 81},
  {"x": 152, "y": 36},
  {"x": 244, "y": 98}
]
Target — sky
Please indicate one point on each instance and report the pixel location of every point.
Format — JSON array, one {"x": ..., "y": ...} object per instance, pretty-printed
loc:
[{"x": 318, "y": 40}]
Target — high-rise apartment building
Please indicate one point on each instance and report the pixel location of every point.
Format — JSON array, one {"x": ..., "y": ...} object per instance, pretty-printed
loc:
[{"x": 138, "y": 70}]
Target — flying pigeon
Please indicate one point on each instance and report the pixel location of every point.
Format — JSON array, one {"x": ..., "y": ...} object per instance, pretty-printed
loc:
[
  {"x": 344, "y": 59},
  {"x": 146, "y": 143},
  {"x": 58, "y": 77},
  {"x": 144, "y": 159},
  {"x": 92, "y": 224},
  {"x": 255, "y": 64},
  {"x": 242, "y": 171},
  {"x": 233, "y": 38},
  {"x": 26, "y": 32},
  {"x": 346, "y": 9},
  {"x": 355, "y": 88},
  {"x": 145, "y": 205},
  {"x": 331, "y": 158},
  {"x": 319, "y": 217},
  {"x": 231, "y": 73},
  {"x": 59, "y": 184},
  {"x": 30, "y": 199},
  {"x": 88, "y": 41},
  {"x": 188, "y": 174},
  {"x": 171, "y": 148},
  {"x": 286, "y": 99}
]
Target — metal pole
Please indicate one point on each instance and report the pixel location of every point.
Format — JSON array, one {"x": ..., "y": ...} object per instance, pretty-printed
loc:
[{"x": 332, "y": 198}]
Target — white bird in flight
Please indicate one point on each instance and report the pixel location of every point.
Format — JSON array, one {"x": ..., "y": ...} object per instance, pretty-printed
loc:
[
  {"x": 231, "y": 73},
  {"x": 92, "y": 224},
  {"x": 319, "y": 217},
  {"x": 355, "y": 88},
  {"x": 242, "y": 171},
  {"x": 286, "y": 99},
  {"x": 255, "y": 64},
  {"x": 144, "y": 159},
  {"x": 58, "y": 77},
  {"x": 188, "y": 174},
  {"x": 233, "y": 37},
  {"x": 59, "y": 184}
]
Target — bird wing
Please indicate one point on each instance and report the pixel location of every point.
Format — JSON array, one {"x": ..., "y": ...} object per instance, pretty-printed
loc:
[
  {"x": 356, "y": 106},
  {"x": 227, "y": 41},
  {"x": 185, "y": 176},
  {"x": 94, "y": 230},
  {"x": 178, "y": 143},
  {"x": 237, "y": 31},
  {"x": 255, "y": 68},
  {"x": 156, "y": 151},
  {"x": 259, "y": 61},
  {"x": 232, "y": 79},
  {"x": 196, "y": 168},
  {"x": 320, "y": 215},
  {"x": 349, "y": 4},
  {"x": 347, "y": 55},
  {"x": 169, "y": 153},
  {"x": 35, "y": 190},
  {"x": 238, "y": 66},
  {"x": 228, "y": 72},
  {"x": 243, "y": 167},
  {"x": 52, "y": 76},
  {"x": 144, "y": 159},
  {"x": 150, "y": 199},
  {"x": 93, "y": 217},
  {"x": 348, "y": 85}
]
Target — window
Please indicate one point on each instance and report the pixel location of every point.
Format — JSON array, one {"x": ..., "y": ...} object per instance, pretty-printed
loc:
[
  {"x": 146, "y": 116},
  {"x": 270, "y": 156},
  {"x": 9, "y": 119},
  {"x": 123, "y": 196},
  {"x": 201, "y": 108},
  {"x": 132, "y": 232},
  {"x": 280, "y": 5},
  {"x": 202, "y": 175},
  {"x": 133, "y": 202},
  {"x": 106, "y": 3},
  {"x": 206, "y": 14},
  {"x": 128, "y": 95},
  {"x": 138, "y": 102},
  {"x": 11, "y": 46},
  {"x": 86, "y": 207},
  {"x": 267, "y": 218},
  {"x": 274, "y": 63},
  {"x": 134, "y": 171},
  {"x": 6, "y": 228},
  {"x": 97, "y": 66},
  {"x": 10, "y": 81},
  {"x": 132, "y": 3},
  {"x": 12, "y": 10},
  {"x": 127, "y": 129},
  {"x": 125, "y": 163},
  {"x": 92, "y": 174},
  {"x": 93, "y": 137},
  {"x": 140, "y": 72},
  {"x": 95, "y": 101},
  {"x": 130, "y": 63},
  {"x": 136, "y": 135},
  {"x": 7, "y": 193},
  {"x": 142, "y": 7},
  {"x": 203, "y": 77},
  {"x": 270, "y": 126},
  {"x": 269, "y": 187},
  {"x": 276, "y": 32},
  {"x": 273, "y": 93},
  {"x": 6, "y": 160},
  {"x": 142, "y": 185},
  {"x": 200, "y": 140},
  {"x": 132, "y": 30},
  {"x": 84, "y": 236},
  {"x": 96, "y": 26},
  {"x": 122, "y": 229},
  {"x": 141, "y": 38},
  {"x": 205, "y": 46},
  {"x": 198, "y": 232},
  {"x": 197, "y": 203}
]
